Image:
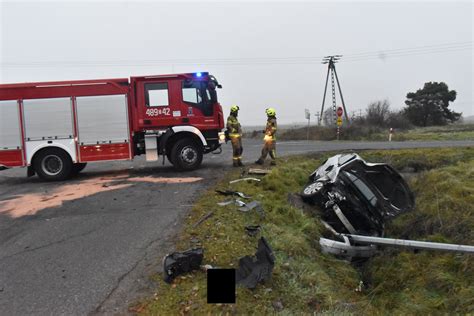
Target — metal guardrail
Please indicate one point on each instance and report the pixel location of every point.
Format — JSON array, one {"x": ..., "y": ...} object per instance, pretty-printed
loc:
[{"x": 411, "y": 244}]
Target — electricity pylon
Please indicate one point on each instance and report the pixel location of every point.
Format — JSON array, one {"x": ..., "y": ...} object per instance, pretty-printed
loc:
[{"x": 331, "y": 61}]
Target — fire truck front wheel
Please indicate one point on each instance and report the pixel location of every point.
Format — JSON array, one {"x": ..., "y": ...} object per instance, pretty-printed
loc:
[
  {"x": 52, "y": 164},
  {"x": 186, "y": 154}
]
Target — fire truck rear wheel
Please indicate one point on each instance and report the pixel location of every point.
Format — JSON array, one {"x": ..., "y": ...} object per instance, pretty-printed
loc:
[
  {"x": 186, "y": 154},
  {"x": 52, "y": 164}
]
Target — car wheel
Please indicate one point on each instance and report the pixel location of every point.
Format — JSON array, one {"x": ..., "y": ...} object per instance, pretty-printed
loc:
[
  {"x": 53, "y": 164},
  {"x": 186, "y": 155},
  {"x": 312, "y": 192}
]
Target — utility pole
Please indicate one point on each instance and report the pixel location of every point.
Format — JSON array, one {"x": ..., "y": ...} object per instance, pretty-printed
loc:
[
  {"x": 317, "y": 117},
  {"x": 331, "y": 61}
]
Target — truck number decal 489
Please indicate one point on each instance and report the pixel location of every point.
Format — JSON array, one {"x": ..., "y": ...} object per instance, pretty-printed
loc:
[{"x": 158, "y": 111}]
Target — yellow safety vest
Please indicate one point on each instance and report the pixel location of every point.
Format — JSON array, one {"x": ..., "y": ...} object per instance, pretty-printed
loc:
[
  {"x": 271, "y": 127},
  {"x": 233, "y": 126}
]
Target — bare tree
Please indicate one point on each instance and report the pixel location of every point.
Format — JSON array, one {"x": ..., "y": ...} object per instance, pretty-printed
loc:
[
  {"x": 377, "y": 113},
  {"x": 329, "y": 117}
]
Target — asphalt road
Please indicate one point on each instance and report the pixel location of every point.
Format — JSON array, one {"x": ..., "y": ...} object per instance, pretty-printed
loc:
[{"x": 89, "y": 245}]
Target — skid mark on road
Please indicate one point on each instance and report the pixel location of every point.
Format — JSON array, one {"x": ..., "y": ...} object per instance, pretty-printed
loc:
[{"x": 31, "y": 203}]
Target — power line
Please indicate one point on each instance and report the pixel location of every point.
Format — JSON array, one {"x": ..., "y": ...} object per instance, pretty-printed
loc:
[
  {"x": 446, "y": 45},
  {"x": 237, "y": 61},
  {"x": 381, "y": 54}
]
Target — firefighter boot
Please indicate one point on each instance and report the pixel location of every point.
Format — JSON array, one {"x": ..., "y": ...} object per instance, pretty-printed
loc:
[
  {"x": 239, "y": 163},
  {"x": 259, "y": 162},
  {"x": 236, "y": 163},
  {"x": 273, "y": 163}
]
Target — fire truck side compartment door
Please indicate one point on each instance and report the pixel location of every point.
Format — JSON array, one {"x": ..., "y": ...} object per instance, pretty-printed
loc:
[
  {"x": 103, "y": 127},
  {"x": 11, "y": 151},
  {"x": 48, "y": 123}
]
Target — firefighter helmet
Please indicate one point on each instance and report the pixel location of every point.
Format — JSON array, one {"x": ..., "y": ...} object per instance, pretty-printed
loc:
[
  {"x": 270, "y": 112},
  {"x": 234, "y": 108}
]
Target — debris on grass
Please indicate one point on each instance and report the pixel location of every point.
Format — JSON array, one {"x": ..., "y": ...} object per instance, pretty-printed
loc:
[
  {"x": 253, "y": 205},
  {"x": 178, "y": 263},
  {"x": 207, "y": 267},
  {"x": 259, "y": 171},
  {"x": 225, "y": 203},
  {"x": 257, "y": 269},
  {"x": 277, "y": 305},
  {"x": 202, "y": 219},
  {"x": 229, "y": 202},
  {"x": 244, "y": 179},
  {"x": 245, "y": 207},
  {"x": 253, "y": 230},
  {"x": 232, "y": 193}
]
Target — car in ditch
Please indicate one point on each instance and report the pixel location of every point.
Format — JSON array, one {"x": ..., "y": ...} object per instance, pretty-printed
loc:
[{"x": 357, "y": 197}]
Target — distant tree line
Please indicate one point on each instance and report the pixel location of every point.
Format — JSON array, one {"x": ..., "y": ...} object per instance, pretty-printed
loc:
[{"x": 426, "y": 107}]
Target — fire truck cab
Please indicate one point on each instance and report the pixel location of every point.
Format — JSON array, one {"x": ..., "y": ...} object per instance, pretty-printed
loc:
[{"x": 56, "y": 128}]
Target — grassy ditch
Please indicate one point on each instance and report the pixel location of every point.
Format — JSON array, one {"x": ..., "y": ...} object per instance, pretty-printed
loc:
[
  {"x": 450, "y": 132},
  {"x": 373, "y": 133},
  {"x": 305, "y": 280}
]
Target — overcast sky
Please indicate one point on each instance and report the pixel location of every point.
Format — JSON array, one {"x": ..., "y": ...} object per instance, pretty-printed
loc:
[{"x": 263, "y": 53}]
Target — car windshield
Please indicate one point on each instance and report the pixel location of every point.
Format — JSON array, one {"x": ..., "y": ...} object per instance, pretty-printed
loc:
[{"x": 362, "y": 187}]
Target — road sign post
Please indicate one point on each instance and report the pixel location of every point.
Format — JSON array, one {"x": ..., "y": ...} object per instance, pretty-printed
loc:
[{"x": 307, "y": 114}]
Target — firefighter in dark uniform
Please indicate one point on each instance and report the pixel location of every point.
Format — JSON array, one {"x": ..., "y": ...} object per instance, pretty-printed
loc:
[
  {"x": 270, "y": 138},
  {"x": 234, "y": 131}
]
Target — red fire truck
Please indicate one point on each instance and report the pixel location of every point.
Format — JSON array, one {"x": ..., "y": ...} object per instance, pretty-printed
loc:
[{"x": 56, "y": 128}]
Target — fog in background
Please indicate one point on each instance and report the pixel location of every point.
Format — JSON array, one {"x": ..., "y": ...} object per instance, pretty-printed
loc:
[{"x": 263, "y": 53}]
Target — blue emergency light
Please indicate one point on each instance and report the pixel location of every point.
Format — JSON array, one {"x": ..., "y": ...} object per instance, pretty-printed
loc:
[{"x": 199, "y": 74}]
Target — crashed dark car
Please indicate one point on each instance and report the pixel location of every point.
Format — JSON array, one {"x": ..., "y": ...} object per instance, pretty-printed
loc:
[{"x": 357, "y": 197}]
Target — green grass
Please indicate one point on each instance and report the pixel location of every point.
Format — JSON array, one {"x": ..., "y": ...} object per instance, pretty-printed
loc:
[
  {"x": 430, "y": 282},
  {"x": 371, "y": 133},
  {"x": 450, "y": 132},
  {"x": 307, "y": 281}
]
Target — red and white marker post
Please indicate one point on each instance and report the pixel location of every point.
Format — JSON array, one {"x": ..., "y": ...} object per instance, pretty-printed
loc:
[{"x": 339, "y": 113}]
